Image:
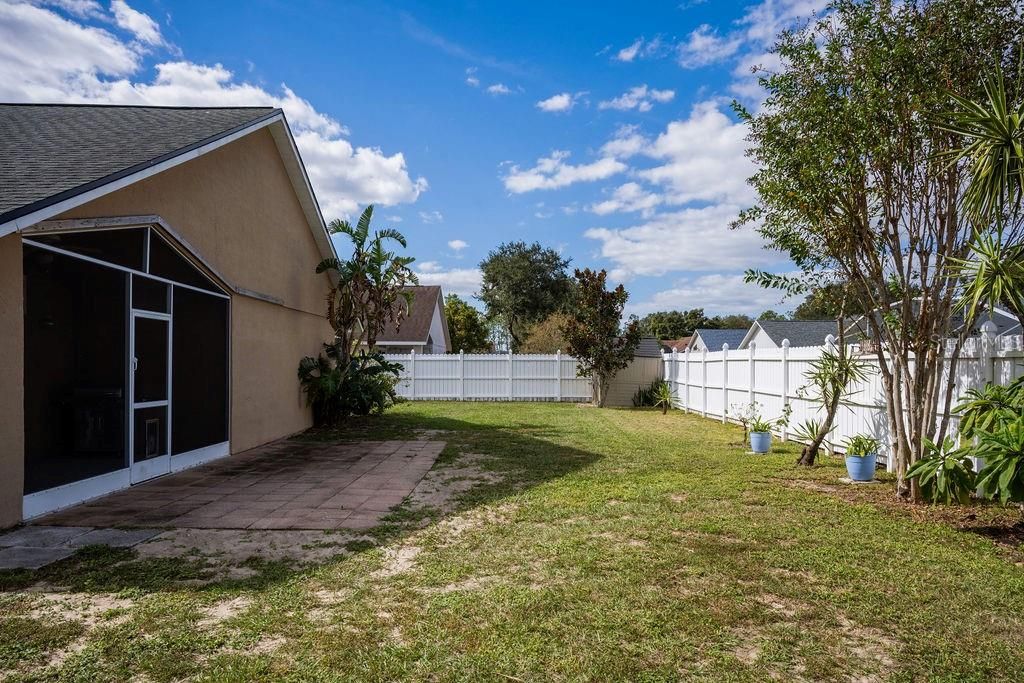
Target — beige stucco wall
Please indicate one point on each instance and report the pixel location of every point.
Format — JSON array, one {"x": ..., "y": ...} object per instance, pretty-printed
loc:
[
  {"x": 12, "y": 378},
  {"x": 236, "y": 207}
]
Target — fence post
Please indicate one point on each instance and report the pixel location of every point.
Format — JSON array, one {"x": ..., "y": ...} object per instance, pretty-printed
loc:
[
  {"x": 412, "y": 374},
  {"x": 785, "y": 385},
  {"x": 686, "y": 379},
  {"x": 511, "y": 392},
  {"x": 558, "y": 374},
  {"x": 750, "y": 366},
  {"x": 987, "y": 358},
  {"x": 672, "y": 374},
  {"x": 704, "y": 382},
  {"x": 725, "y": 381},
  {"x": 462, "y": 375}
]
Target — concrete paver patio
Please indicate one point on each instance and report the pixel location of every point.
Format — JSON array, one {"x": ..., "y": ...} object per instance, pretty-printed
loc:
[{"x": 283, "y": 485}]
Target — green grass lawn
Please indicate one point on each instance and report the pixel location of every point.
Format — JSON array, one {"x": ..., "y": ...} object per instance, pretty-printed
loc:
[{"x": 605, "y": 545}]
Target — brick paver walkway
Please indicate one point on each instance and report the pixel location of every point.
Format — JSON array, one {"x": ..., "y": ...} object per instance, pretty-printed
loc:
[{"x": 283, "y": 485}]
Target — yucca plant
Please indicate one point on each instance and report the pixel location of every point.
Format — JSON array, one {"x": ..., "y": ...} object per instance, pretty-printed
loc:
[
  {"x": 1002, "y": 477},
  {"x": 662, "y": 395},
  {"x": 945, "y": 473},
  {"x": 808, "y": 430}
]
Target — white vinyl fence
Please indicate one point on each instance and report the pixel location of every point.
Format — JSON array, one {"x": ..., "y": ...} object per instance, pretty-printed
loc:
[
  {"x": 719, "y": 384},
  {"x": 490, "y": 377}
]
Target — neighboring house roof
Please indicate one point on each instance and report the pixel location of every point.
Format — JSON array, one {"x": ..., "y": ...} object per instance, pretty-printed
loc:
[
  {"x": 59, "y": 156},
  {"x": 670, "y": 345},
  {"x": 798, "y": 332},
  {"x": 1006, "y": 323},
  {"x": 649, "y": 347},
  {"x": 714, "y": 339},
  {"x": 415, "y": 327}
]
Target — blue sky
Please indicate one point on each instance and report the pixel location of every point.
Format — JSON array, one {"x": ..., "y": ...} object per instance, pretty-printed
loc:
[{"x": 593, "y": 127}]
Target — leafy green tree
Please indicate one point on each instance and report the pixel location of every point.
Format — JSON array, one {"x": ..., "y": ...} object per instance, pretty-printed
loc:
[
  {"x": 595, "y": 334},
  {"x": 546, "y": 336},
  {"x": 730, "y": 322},
  {"x": 466, "y": 326},
  {"x": 522, "y": 285},
  {"x": 825, "y": 302},
  {"x": 855, "y": 186},
  {"x": 772, "y": 315},
  {"x": 673, "y": 324}
]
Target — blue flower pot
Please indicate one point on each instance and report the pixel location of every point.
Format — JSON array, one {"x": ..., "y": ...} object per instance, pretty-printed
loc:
[
  {"x": 861, "y": 468},
  {"x": 760, "y": 442}
]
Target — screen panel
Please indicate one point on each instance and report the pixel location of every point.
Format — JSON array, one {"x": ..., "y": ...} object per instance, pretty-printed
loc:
[
  {"x": 200, "y": 389},
  {"x": 75, "y": 369},
  {"x": 125, "y": 247}
]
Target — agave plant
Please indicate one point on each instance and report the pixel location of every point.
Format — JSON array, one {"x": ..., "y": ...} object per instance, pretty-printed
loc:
[
  {"x": 662, "y": 395},
  {"x": 945, "y": 473}
]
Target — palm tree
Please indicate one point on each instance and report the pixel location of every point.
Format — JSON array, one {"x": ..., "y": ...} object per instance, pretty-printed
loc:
[{"x": 368, "y": 293}]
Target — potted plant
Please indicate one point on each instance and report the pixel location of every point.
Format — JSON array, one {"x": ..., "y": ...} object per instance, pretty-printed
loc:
[
  {"x": 861, "y": 454},
  {"x": 760, "y": 435}
]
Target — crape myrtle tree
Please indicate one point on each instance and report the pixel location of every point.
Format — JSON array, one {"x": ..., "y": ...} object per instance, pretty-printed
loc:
[
  {"x": 595, "y": 335},
  {"x": 856, "y": 185},
  {"x": 523, "y": 284}
]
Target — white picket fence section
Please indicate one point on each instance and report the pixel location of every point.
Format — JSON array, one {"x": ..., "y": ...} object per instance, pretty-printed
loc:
[
  {"x": 490, "y": 377},
  {"x": 718, "y": 384}
]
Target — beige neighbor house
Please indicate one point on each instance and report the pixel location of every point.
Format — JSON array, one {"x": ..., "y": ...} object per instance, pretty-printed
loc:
[
  {"x": 424, "y": 330},
  {"x": 156, "y": 294}
]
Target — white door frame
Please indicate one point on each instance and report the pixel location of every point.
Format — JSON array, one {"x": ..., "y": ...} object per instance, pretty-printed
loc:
[{"x": 151, "y": 467}]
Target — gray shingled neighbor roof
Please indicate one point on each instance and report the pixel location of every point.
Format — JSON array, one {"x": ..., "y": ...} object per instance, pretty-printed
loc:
[
  {"x": 713, "y": 339},
  {"x": 416, "y": 326},
  {"x": 51, "y": 152},
  {"x": 799, "y": 332}
]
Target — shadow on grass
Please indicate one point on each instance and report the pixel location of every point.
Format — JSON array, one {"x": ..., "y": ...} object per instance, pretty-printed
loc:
[{"x": 521, "y": 454}]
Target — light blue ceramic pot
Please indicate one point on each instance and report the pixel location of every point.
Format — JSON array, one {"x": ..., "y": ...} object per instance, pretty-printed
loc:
[
  {"x": 861, "y": 468},
  {"x": 760, "y": 442}
]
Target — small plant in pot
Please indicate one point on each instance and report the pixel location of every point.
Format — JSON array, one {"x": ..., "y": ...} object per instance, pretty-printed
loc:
[
  {"x": 861, "y": 454},
  {"x": 760, "y": 435}
]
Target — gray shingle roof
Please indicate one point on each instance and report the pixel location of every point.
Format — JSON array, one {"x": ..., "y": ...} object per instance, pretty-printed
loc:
[
  {"x": 416, "y": 326},
  {"x": 49, "y": 153},
  {"x": 799, "y": 332},
  {"x": 713, "y": 339}
]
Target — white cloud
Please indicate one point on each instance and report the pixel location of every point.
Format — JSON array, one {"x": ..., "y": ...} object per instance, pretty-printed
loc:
[
  {"x": 393, "y": 219},
  {"x": 704, "y": 46},
  {"x": 691, "y": 239},
  {"x": 499, "y": 89},
  {"x": 140, "y": 24},
  {"x": 457, "y": 245},
  {"x": 471, "y": 78},
  {"x": 628, "y": 142},
  {"x": 79, "y": 8},
  {"x": 639, "y": 48},
  {"x": 558, "y": 103},
  {"x": 552, "y": 172},
  {"x": 462, "y": 281},
  {"x": 629, "y": 197},
  {"x": 721, "y": 293},
  {"x": 629, "y": 53},
  {"x": 704, "y": 158},
  {"x": 45, "y": 57},
  {"x": 639, "y": 97},
  {"x": 431, "y": 217}
]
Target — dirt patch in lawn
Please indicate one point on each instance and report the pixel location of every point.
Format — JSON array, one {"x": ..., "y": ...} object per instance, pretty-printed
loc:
[
  {"x": 224, "y": 610},
  {"x": 441, "y": 487},
  {"x": 89, "y": 609}
]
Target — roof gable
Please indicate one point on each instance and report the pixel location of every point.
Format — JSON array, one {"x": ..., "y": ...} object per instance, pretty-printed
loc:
[
  {"x": 415, "y": 327},
  {"x": 58, "y": 157}
]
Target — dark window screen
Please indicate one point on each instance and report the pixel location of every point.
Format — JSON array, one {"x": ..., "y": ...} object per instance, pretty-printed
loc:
[
  {"x": 124, "y": 247},
  {"x": 166, "y": 262},
  {"x": 150, "y": 295},
  {"x": 200, "y": 391},
  {"x": 75, "y": 337},
  {"x": 150, "y": 360}
]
